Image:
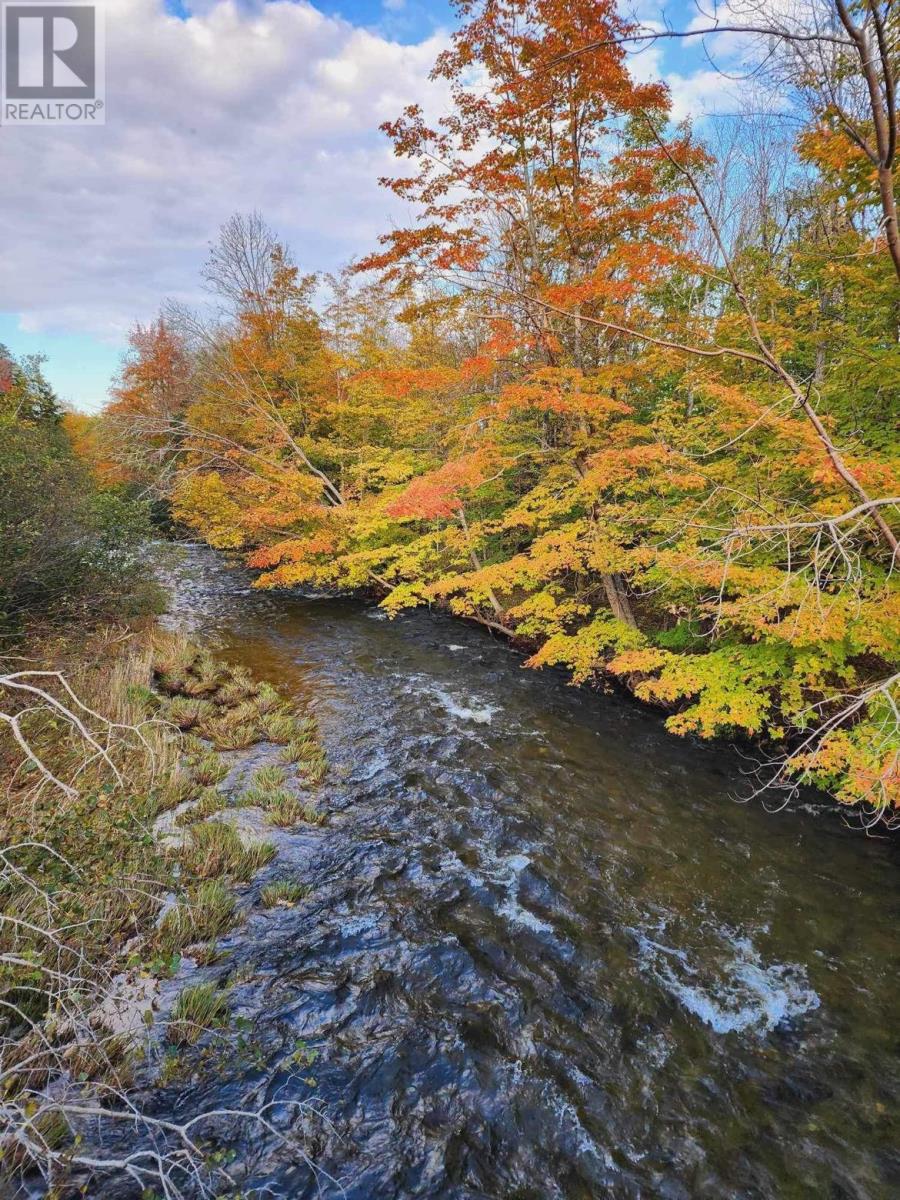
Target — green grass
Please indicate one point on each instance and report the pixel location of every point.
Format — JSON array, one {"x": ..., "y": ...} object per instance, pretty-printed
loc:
[
  {"x": 282, "y": 894},
  {"x": 235, "y": 730},
  {"x": 204, "y": 914},
  {"x": 208, "y": 768},
  {"x": 267, "y": 699},
  {"x": 316, "y": 768},
  {"x": 270, "y": 777},
  {"x": 209, "y": 801},
  {"x": 199, "y": 1008},
  {"x": 298, "y": 749},
  {"x": 214, "y": 849},
  {"x": 278, "y": 727},
  {"x": 288, "y": 810},
  {"x": 237, "y": 691},
  {"x": 182, "y": 712}
]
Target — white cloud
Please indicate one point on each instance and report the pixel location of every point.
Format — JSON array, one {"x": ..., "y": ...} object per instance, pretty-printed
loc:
[
  {"x": 697, "y": 89},
  {"x": 273, "y": 106},
  {"x": 243, "y": 105}
]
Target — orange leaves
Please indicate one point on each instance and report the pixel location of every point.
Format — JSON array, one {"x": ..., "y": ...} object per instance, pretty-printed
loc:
[
  {"x": 403, "y": 382},
  {"x": 635, "y": 467},
  {"x": 437, "y": 495},
  {"x": 463, "y": 256},
  {"x": 561, "y": 390},
  {"x": 155, "y": 378},
  {"x": 292, "y": 550}
]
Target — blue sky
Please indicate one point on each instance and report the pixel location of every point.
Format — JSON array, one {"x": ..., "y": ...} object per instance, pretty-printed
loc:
[{"x": 228, "y": 107}]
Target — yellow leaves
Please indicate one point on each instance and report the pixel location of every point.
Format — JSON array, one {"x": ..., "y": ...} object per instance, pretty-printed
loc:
[
  {"x": 404, "y": 595},
  {"x": 544, "y": 614},
  {"x": 204, "y": 503},
  {"x": 635, "y": 468},
  {"x": 640, "y": 661},
  {"x": 586, "y": 651},
  {"x": 860, "y": 763},
  {"x": 544, "y": 506}
]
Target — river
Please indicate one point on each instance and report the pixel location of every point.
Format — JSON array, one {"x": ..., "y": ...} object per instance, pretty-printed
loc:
[{"x": 546, "y": 953}]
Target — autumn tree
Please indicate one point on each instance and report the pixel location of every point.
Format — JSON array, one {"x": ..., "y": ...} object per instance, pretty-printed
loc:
[{"x": 619, "y": 392}]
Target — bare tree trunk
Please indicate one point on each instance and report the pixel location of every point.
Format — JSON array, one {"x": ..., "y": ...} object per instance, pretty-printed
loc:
[
  {"x": 617, "y": 595},
  {"x": 476, "y": 561}
]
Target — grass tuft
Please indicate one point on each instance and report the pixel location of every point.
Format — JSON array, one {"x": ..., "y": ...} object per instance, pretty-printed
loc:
[
  {"x": 210, "y": 801},
  {"x": 203, "y": 915},
  {"x": 287, "y": 810},
  {"x": 282, "y": 894},
  {"x": 270, "y": 777},
  {"x": 199, "y": 1008},
  {"x": 208, "y": 768},
  {"x": 214, "y": 849},
  {"x": 278, "y": 727}
]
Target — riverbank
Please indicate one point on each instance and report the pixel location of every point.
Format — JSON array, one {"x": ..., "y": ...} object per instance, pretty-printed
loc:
[{"x": 148, "y": 791}]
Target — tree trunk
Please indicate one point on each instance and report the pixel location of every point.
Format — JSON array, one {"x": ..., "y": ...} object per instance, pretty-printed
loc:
[{"x": 617, "y": 596}]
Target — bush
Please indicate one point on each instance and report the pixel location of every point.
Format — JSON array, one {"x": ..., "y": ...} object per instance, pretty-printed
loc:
[{"x": 68, "y": 548}]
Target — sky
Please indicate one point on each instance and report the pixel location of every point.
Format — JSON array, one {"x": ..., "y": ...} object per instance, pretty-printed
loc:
[{"x": 218, "y": 106}]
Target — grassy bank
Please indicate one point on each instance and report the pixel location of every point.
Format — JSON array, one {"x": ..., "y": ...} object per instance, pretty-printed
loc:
[{"x": 119, "y": 856}]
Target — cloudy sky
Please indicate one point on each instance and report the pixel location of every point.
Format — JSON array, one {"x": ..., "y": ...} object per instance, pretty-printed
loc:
[{"x": 215, "y": 106}]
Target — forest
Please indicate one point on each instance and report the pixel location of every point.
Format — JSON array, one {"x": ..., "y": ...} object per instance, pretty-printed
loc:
[
  {"x": 316, "y": 876},
  {"x": 623, "y": 390}
]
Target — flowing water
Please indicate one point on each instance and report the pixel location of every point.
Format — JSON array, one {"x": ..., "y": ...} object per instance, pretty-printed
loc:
[{"x": 545, "y": 954}]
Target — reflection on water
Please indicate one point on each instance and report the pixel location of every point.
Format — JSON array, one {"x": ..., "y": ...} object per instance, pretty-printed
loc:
[{"x": 545, "y": 954}]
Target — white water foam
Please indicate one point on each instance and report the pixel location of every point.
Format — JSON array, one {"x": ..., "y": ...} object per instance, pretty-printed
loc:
[
  {"x": 745, "y": 994},
  {"x": 502, "y": 872},
  {"x": 506, "y": 872},
  {"x": 465, "y": 711}
]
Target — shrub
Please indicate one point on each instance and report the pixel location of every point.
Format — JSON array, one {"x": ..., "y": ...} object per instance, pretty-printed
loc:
[{"x": 69, "y": 550}]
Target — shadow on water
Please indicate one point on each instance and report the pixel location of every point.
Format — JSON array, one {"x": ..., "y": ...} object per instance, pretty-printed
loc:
[{"x": 545, "y": 954}]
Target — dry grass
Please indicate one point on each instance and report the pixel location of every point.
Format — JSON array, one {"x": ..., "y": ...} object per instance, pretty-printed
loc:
[{"x": 83, "y": 883}]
